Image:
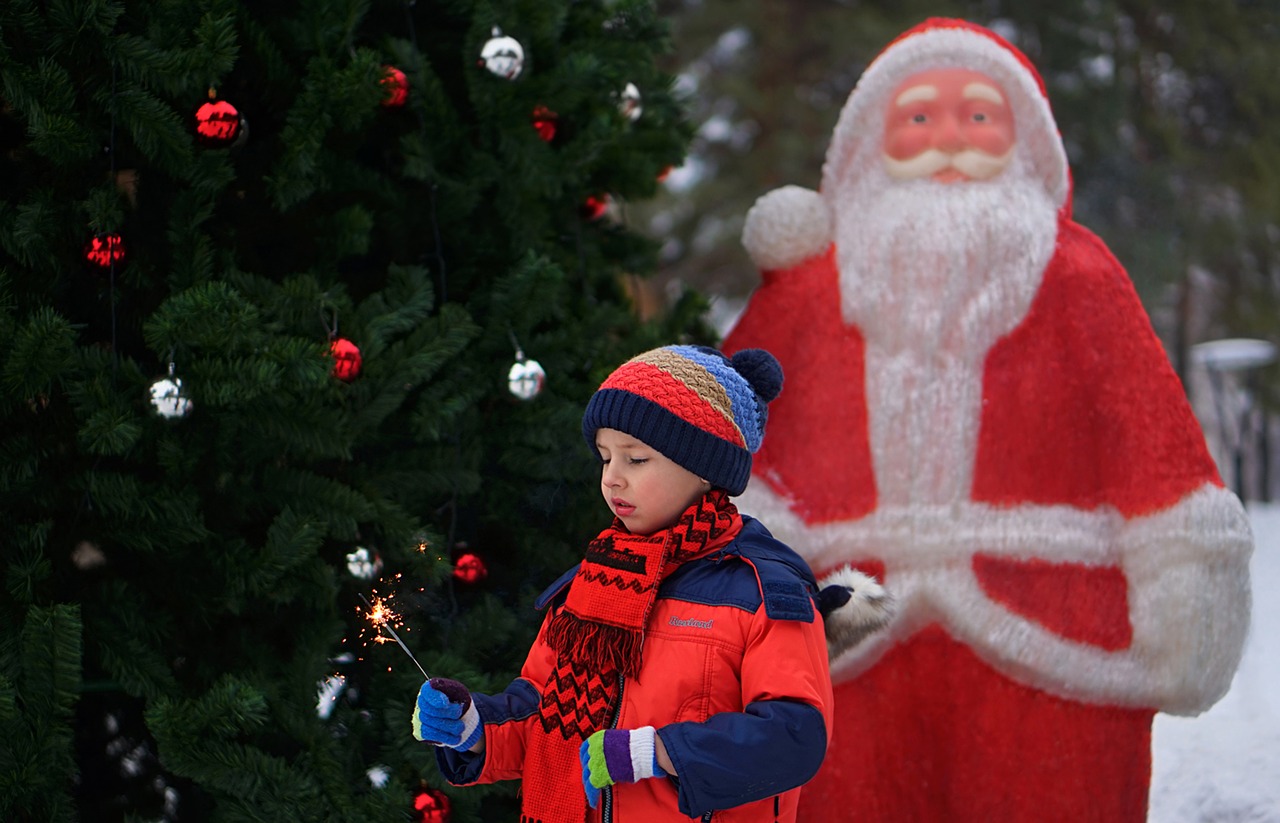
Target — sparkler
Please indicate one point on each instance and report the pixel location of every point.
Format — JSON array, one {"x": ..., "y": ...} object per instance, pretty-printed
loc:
[{"x": 381, "y": 615}]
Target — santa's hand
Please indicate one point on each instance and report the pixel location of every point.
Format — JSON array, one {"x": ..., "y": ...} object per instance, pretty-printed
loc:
[
  {"x": 617, "y": 756},
  {"x": 853, "y": 607},
  {"x": 446, "y": 716},
  {"x": 786, "y": 227}
]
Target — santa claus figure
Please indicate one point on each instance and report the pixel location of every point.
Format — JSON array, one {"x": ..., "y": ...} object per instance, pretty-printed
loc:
[{"x": 977, "y": 411}]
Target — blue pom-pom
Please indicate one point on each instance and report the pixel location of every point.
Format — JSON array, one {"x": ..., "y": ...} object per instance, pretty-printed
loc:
[{"x": 762, "y": 370}]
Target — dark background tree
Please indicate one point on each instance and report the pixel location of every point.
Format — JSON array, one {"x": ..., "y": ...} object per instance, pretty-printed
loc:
[{"x": 176, "y": 589}]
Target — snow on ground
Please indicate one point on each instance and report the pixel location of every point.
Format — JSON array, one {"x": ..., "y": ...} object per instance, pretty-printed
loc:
[{"x": 1224, "y": 766}]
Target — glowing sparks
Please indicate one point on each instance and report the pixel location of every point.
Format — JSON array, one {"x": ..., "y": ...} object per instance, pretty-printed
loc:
[
  {"x": 381, "y": 614},
  {"x": 384, "y": 618}
]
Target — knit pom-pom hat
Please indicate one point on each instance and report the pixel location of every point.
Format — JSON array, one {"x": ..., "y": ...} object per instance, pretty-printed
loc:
[{"x": 701, "y": 409}]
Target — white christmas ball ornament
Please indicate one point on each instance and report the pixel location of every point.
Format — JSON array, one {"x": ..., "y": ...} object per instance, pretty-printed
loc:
[
  {"x": 502, "y": 55},
  {"x": 526, "y": 378},
  {"x": 167, "y": 397}
]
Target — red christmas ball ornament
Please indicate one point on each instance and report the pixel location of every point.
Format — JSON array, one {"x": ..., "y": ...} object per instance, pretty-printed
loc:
[
  {"x": 544, "y": 122},
  {"x": 395, "y": 86},
  {"x": 346, "y": 359},
  {"x": 104, "y": 250},
  {"x": 432, "y": 806},
  {"x": 469, "y": 568},
  {"x": 218, "y": 124},
  {"x": 595, "y": 206}
]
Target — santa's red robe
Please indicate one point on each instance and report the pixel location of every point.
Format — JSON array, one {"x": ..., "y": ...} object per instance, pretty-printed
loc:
[{"x": 1092, "y": 572}]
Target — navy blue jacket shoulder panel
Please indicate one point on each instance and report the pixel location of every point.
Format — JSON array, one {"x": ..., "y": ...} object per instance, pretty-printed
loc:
[
  {"x": 772, "y": 567},
  {"x": 562, "y": 582}
]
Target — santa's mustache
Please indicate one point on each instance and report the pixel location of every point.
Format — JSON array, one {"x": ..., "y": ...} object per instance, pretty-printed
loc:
[{"x": 972, "y": 163}]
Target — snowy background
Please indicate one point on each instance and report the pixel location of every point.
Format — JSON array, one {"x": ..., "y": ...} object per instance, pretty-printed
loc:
[{"x": 1224, "y": 766}]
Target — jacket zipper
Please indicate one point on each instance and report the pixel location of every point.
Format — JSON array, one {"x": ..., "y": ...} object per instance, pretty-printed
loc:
[{"x": 606, "y": 806}]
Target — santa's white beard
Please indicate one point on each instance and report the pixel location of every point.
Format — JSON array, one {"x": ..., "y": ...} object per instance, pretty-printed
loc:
[
  {"x": 934, "y": 274},
  {"x": 942, "y": 265}
]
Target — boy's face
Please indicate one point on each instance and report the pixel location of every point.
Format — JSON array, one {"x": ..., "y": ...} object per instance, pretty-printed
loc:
[{"x": 645, "y": 489}]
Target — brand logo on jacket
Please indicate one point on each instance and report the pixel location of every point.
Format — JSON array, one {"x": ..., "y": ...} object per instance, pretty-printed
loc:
[{"x": 690, "y": 623}]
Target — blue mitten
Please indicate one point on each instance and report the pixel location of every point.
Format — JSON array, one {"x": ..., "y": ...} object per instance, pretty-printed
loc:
[
  {"x": 617, "y": 756},
  {"x": 445, "y": 715}
]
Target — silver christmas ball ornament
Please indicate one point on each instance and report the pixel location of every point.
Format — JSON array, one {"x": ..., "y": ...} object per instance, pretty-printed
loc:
[
  {"x": 502, "y": 55},
  {"x": 167, "y": 396},
  {"x": 526, "y": 378}
]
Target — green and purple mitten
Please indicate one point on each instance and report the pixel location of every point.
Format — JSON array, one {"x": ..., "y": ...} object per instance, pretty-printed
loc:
[{"x": 617, "y": 756}]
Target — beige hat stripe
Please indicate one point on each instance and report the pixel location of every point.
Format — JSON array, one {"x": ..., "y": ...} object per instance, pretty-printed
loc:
[{"x": 696, "y": 378}]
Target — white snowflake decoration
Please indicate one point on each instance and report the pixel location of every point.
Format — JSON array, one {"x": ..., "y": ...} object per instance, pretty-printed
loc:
[
  {"x": 378, "y": 775},
  {"x": 363, "y": 564},
  {"x": 330, "y": 688},
  {"x": 629, "y": 103}
]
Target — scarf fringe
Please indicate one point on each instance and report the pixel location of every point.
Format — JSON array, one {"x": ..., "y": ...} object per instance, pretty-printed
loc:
[{"x": 610, "y": 647}]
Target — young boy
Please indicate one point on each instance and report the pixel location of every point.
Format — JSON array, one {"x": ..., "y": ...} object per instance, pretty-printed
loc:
[{"x": 681, "y": 671}]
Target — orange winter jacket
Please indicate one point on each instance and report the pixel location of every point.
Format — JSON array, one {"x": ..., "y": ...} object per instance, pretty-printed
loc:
[{"x": 734, "y": 678}]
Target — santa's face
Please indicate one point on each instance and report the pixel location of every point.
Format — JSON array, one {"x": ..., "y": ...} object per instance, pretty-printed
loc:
[
  {"x": 952, "y": 226},
  {"x": 949, "y": 125}
]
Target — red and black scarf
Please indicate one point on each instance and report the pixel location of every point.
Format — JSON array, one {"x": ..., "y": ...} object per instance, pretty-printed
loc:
[{"x": 598, "y": 635}]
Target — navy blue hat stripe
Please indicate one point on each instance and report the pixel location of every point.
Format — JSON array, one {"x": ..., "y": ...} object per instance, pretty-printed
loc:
[{"x": 724, "y": 464}]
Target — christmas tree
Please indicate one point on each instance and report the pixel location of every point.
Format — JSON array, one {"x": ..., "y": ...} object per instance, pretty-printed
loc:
[{"x": 302, "y": 302}]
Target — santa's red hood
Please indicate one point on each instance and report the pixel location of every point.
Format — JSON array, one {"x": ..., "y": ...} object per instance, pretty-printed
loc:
[{"x": 947, "y": 43}]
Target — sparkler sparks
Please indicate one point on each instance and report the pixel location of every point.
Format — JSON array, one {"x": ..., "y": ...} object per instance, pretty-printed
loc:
[
  {"x": 384, "y": 618},
  {"x": 380, "y": 614}
]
